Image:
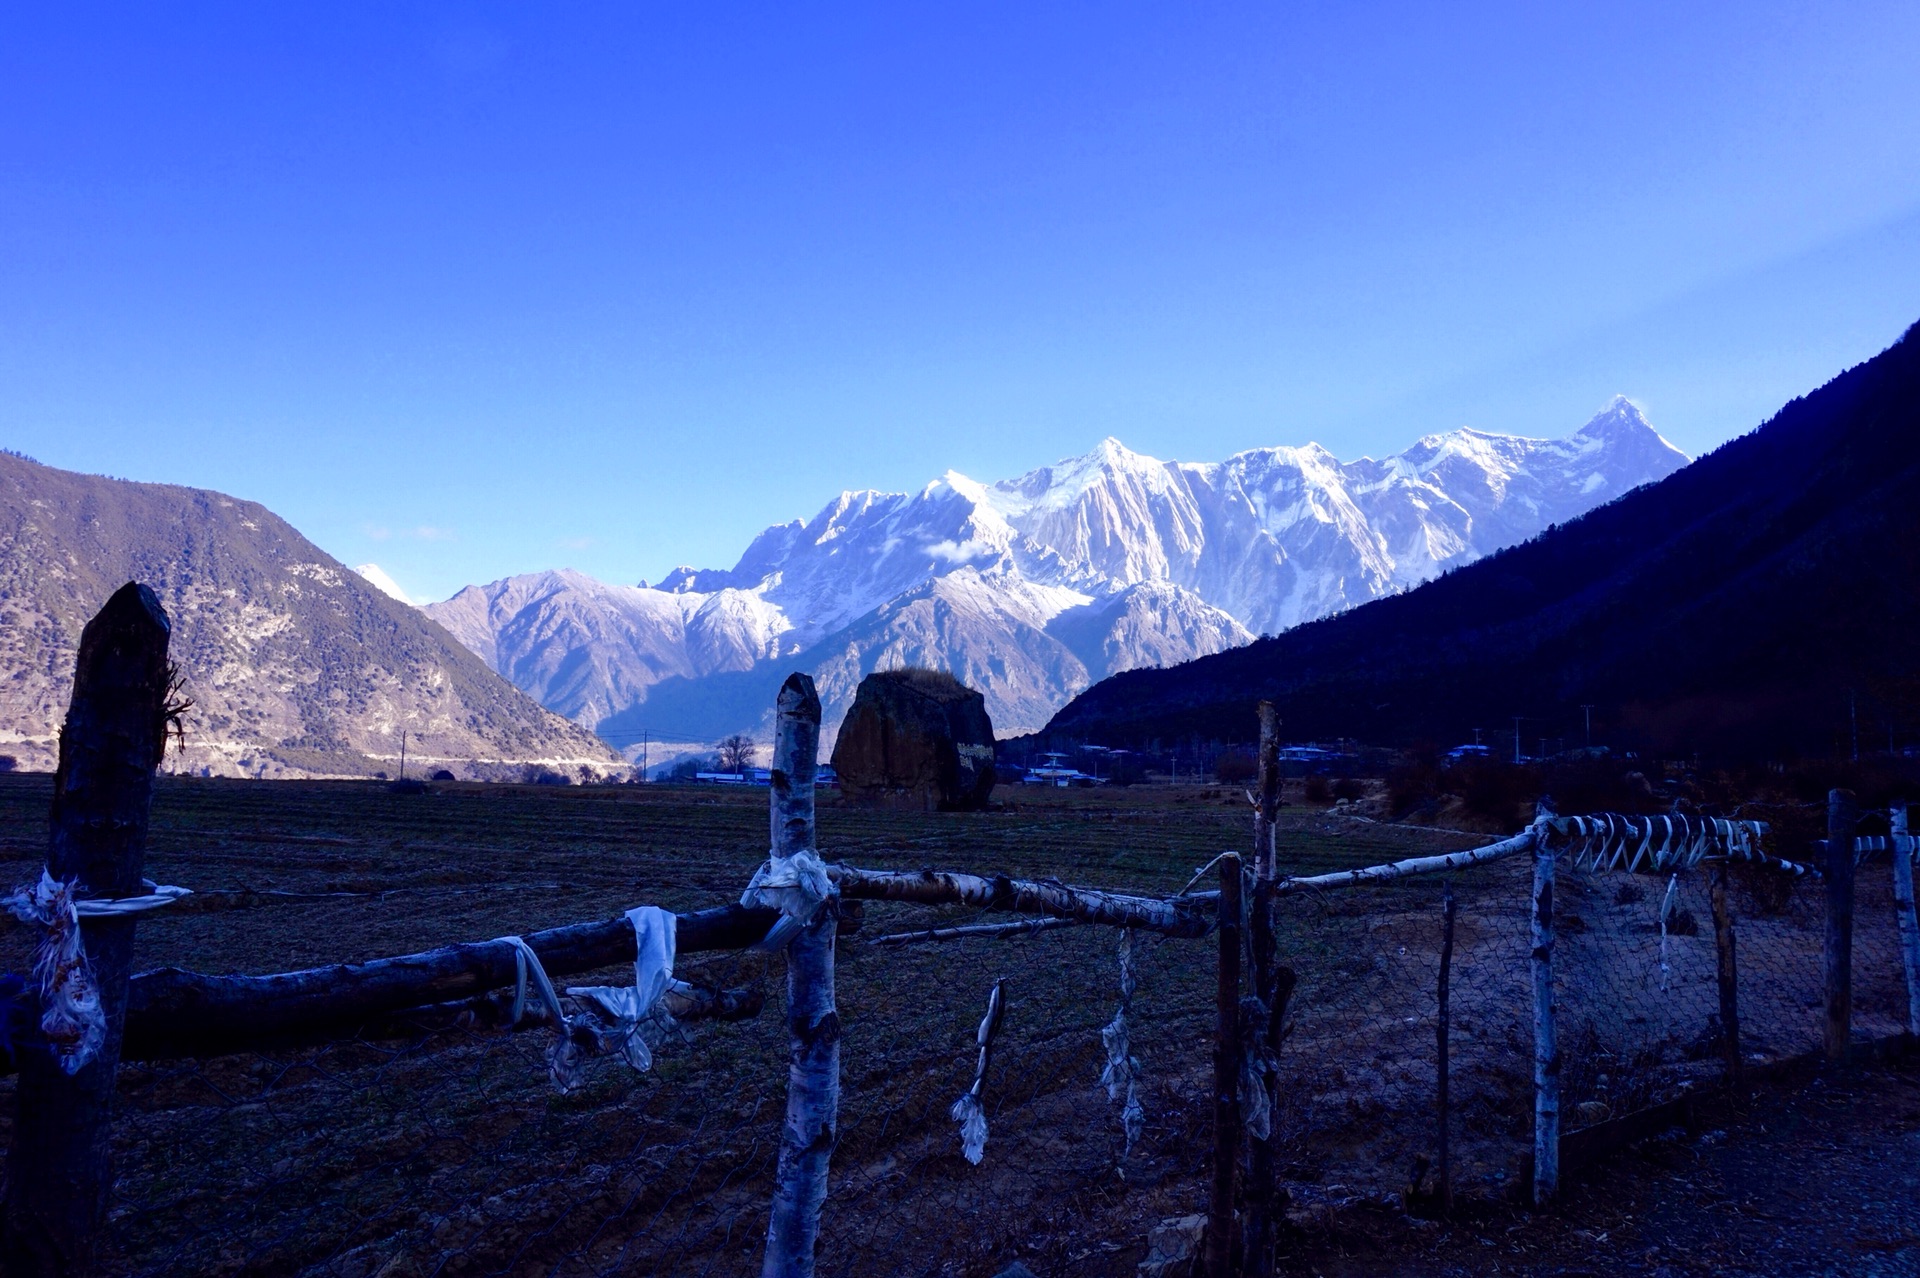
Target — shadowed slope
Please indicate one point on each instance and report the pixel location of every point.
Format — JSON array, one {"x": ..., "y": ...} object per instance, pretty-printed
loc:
[{"x": 1733, "y": 607}]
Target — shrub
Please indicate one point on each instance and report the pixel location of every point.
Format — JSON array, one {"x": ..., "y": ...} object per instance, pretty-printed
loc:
[
  {"x": 687, "y": 769},
  {"x": 1496, "y": 792},
  {"x": 1412, "y": 785},
  {"x": 1317, "y": 790},
  {"x": 1235, "y": 767}
]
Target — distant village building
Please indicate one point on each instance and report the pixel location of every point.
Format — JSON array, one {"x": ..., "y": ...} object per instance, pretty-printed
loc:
[
  {"x": 917, "y": 739},
  {"x": 1054, "y": 771}
]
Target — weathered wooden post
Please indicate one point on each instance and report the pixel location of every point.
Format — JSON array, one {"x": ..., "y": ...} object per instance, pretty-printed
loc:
[
  {"x": 1904, "y": 912},
  {"x": 59, "y": 1172},
  {"x": 1266, "y": 863},
  {"x": 1226, "y": 1075},
  {"x": 1442, "y": 1027},
  {"x": 813, "y": 1023},
  {"x": 1261, "y": 1208},
  {"x": 1727, "y": 967},
  {"x": 1843, "y": 819},
  {"x": 1546, "y": 1050}
]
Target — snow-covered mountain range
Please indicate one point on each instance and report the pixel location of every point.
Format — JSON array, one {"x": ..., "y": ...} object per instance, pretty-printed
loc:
[{"x": 1031, "y": 589}]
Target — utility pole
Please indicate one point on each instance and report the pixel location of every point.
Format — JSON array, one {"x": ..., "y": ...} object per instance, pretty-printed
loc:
[
  {"x": 643, "y": 754},
  {"x": 1476, "y": 736},
  {"x": 403, "y": 754},
  {"x": 1853, "y": 718},
  {"x": 1516, "y": 738},
  {"x": 1589, "y": 711}
]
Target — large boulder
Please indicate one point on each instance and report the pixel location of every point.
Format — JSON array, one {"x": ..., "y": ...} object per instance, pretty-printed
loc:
[{"x": 917, "y": 739}]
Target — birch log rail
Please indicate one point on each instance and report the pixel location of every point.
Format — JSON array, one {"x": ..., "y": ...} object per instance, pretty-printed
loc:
[
  {"x": 1521, "y": 842},
  {"x": 1019, "y": 927},
  {"x": 174, "y": 1013},
  {"x": 1175, "y": 917}
]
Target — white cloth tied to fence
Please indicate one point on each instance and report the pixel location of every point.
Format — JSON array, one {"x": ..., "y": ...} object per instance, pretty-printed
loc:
[
  {"x": 1257, "y": 1062},
  {"x": 796, "y": 885},
  {"x": 563, "y": 1058},
  {"x": 970, "y": 1110},
  {"x": 1610, "y": 841},
  {"x": 1866, "y": 845},
  {"x": 71, "y": 1017},
  {"x": 1666, "y": 913},
  {"x": 1121, "y": 1077},
  {"x": 640, "y": 1018},
  {"x": 110, "y": 907}
]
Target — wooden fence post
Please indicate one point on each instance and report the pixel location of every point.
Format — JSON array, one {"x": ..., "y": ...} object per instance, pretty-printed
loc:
[
  {"x": 1226, "y": 1075},
  {"x": 1266, "y": 856},
  {"x": 1261, "y": 1207},
  {"x": 59, "y": 1171},
  {"x": 813, "y": 1023},
  {"x": 1904, "y": 911},
  {"x": 1442, "y": 1028},
  {"x": 1843, "y": 818},
  {"x": 1546, "y": 1051},
  {"x": 1728, "y": 968}
]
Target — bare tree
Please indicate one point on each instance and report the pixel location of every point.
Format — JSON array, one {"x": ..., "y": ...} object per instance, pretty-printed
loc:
[{"x": 737, "y": 753}]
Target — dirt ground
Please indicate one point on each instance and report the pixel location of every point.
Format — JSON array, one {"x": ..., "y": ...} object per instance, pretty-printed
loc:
[{"x": 1812, "y": 1175}]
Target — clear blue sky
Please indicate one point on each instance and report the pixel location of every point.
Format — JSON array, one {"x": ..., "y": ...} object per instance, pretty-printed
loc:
[{"x": 474, "y": 289}]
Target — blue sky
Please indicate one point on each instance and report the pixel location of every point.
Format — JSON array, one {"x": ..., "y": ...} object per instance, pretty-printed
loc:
[{"x": 478, "y": 289}]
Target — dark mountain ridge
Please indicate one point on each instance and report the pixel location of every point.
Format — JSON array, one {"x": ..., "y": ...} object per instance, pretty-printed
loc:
[{"x": 1751, "y": 604}]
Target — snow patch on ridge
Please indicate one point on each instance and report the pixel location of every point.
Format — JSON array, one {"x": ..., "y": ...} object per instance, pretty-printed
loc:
[{"x": 379, "y": 580}]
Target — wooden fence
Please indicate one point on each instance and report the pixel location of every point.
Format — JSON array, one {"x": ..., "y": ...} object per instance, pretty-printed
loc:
[{"x": 59, "y": 1175}]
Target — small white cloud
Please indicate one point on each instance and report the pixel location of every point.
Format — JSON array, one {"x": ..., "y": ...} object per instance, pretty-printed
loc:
[
  {"x": 577, "y": 543},
  {"x": 956, "y": 552},
  {"x": 426, "y": 532}
]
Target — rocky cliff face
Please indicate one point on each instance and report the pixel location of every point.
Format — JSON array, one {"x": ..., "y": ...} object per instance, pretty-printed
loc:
[
  {"x": 1033, "y": 588},
  {"x": 296, "y": 664}
]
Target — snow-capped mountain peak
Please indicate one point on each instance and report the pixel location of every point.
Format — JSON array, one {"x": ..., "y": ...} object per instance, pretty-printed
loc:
[{"x": 1033, "y": 587}]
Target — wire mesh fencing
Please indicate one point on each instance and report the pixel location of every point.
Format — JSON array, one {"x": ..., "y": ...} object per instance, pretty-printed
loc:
[
  {"x": 448, "y": 1150},
  {"x": 1359, "y": 1072},
  {"x": 1638, "y": 1009}
]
